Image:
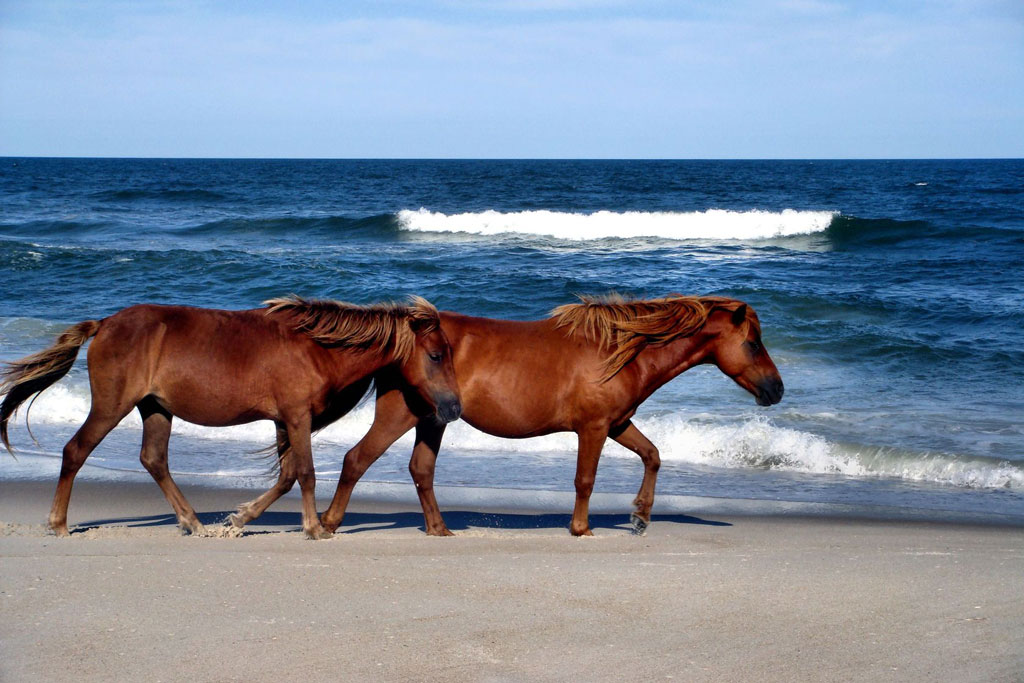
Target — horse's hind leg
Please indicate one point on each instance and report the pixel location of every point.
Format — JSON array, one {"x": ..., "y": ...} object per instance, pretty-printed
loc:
[
  {"x": 634, "y": 440},
  {"x": 96, "y": 426},
  {"x": 285, "y": 481},
  {"x": 156, "y": 431}
]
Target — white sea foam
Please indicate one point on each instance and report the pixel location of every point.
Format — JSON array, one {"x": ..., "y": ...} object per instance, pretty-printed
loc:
[
  {"x": 713, "y": 224},
  {"x": 752, "y": 443}
]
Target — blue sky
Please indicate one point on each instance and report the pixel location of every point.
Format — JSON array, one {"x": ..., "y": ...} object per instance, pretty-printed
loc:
[{"x": 513, "y": 78}]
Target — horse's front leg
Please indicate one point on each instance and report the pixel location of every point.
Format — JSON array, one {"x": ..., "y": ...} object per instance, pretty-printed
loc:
[
  {"x": 591, "y": 441},
  {"x": 631, "y": 437},
  {"x": 391, "y": 420},
  {"x": 300, "y": 438},
  {"x": 421, "y": 466}
]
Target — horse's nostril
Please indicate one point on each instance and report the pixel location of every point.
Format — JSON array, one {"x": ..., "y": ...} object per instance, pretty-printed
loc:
[
  {"x": 770, "y": 392},
  {"x": 450, "y": 410}
]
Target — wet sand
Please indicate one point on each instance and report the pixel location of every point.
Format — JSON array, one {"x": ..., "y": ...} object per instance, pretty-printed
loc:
[{"x": 513, "y": 597}]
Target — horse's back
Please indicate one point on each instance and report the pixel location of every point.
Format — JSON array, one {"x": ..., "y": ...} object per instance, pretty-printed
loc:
[
  {"x": 519, "y": 379},
  {"x": 208, "y": 366},
  {"x": 520, "y": 347},
  {"x": 194, "y": 331},
  {"x": 185, "y": 318}
]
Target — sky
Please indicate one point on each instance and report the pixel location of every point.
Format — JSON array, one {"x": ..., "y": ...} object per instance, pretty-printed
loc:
[{"x": 704, "y": 79}]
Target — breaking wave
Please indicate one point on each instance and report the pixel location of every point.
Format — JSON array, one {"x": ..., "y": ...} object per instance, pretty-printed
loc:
[{"x": 713, "y": 224}]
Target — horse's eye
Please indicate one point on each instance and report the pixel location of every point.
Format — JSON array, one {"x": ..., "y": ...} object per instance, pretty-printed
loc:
[
  {"x": 755, "y": 346},
  {"x": 435, "y": 356}
]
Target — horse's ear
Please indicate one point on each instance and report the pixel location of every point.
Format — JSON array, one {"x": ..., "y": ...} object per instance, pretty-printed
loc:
[
  {"x": 739, "y": 315},
  {"x": 423, "y": 317},
  {"x": 423, "y": 324}
]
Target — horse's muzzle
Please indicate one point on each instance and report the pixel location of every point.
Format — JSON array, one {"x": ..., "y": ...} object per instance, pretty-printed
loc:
[
  {"x": 770, "y": 392},
  {"x": 449, "y": 409}
]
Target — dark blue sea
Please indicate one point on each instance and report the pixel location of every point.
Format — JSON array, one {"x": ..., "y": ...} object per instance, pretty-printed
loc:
[{"x": 891, "y": 295}]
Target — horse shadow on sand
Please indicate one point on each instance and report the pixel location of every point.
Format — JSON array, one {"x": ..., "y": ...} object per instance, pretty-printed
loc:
[{"x": 359, "y": 522}]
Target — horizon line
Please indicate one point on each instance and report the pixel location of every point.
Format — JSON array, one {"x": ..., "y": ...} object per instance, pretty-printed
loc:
[{"x": 298, "y": 158}]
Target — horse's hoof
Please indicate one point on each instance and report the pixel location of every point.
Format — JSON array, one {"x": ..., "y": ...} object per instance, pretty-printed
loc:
[
  {"x": 235, "y": 519},
  {"x": 639, "y": 524},
  {"x": 197, "y": 530},
  {"x": 319, "y": 534},
  {"x": 439, "y": 532}
]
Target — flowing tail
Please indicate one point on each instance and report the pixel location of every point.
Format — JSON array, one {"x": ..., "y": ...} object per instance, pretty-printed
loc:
[{"x": 33, "y": 374}]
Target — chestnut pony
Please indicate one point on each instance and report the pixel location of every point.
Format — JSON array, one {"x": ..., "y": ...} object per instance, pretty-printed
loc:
[
  {"x": 302, "y": 364},
  {"x": 585, "y": 369}
]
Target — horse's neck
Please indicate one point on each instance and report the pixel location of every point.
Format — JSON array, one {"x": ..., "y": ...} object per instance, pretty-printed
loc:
[
  {"x": 658, "y": 365},
  {"x": 351, "y": 365}
]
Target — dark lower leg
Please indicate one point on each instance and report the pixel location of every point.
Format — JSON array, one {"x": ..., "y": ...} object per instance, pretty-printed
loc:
[{"x": 421, "y": 467}]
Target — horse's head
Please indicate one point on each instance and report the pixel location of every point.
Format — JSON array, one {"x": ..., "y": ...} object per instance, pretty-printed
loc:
[
  {"x": 737, "y": 350},
  {"x": 406, "y": 336},
  {"x": 428, "y": 367}
]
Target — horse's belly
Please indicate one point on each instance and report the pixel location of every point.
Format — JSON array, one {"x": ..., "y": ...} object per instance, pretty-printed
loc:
[
  {"x": 211, "y": 410},
  {"x": 511, "y": 421},
  {"x": 224, "y": 419}
]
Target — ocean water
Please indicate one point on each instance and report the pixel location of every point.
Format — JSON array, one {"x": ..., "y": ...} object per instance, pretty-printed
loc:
[{"x": 891, "y": 295}]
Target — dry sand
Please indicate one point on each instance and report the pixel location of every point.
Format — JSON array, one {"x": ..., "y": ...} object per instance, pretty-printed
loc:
[{"x": 512, "y": 598}]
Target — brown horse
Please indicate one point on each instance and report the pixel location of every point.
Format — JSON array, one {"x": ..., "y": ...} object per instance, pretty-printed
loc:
[
  {"x": 302, "y": 364},
  {"x": 585, "y": 369}
]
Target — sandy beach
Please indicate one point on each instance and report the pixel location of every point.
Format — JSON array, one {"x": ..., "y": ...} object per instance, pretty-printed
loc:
[{"x": 513, "y": 597}]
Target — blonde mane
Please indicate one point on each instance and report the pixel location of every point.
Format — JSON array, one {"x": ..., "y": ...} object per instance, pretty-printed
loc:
[
  {"x": 626, "y": 327},
  {"x": 386, "y": 327}
]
